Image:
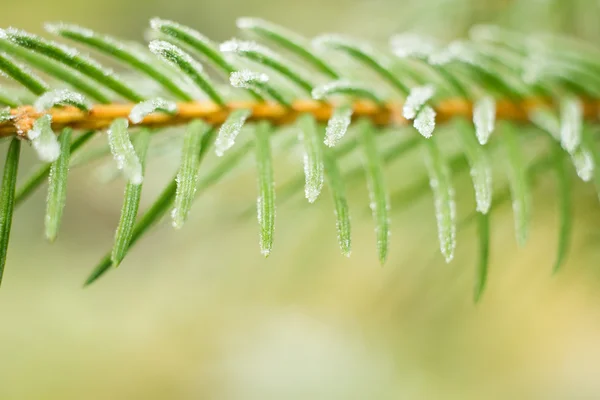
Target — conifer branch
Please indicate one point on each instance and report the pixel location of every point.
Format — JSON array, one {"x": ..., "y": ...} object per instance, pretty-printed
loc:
[
  {"x": 466, "y": 86},
  {"x": 101, "y": 116}
]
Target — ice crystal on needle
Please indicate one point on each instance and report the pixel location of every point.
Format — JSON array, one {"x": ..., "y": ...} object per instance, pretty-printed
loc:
[
  {"x": 123, "y": 151},
  {"x": 484, "y": 118},
  {"x": 425, "y": 121},
  {"x": 141, "y": 110},
  {"x": 416, "y": 100},
  {"x": 61, "y": 97},
  {"x": 44, "y": 140}
]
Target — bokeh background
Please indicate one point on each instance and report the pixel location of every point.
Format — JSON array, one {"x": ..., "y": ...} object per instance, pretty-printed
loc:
[{"x": 199, "y": 314}]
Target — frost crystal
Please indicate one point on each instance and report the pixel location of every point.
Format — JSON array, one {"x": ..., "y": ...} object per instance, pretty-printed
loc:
[
  {"x": 537, "y": 64},
  {"x": 254, "y": 81},
  {"x": 344, "y": 86},
  {"x": 265, "y": 251},
  {"x": 22, "y": 37},
  {"x": 482, "y": 179},
  {"x": 444, "y": 204},
  {"x": 412, "y": 45},
  {"x": 61, "y": 97},
  {"x": 230, "y": 130},
  {"x": 340, "y": 41},
  {"x": 192, "y": 70},
  {"x": 161, "y": 24},
  {"x": 546, "y": 121},
  {"x": 416, "y": 99},
  {"x": 58, "y": 27},
  {"x": 571, "y": 116},
  {"x": 44, "y": 140},
  {"x": 141, "y": 110},
  {"x": 250, "y": 23},
  {"x": 338, "y": 125},
  {"x": 313, "y": 182},
  {"x": 176, "y": 57},
  {"x": 446, "y": 233},
  {"x": 584, "y": 164},
  {"x": 5, "y": 114},
  {"x": 312, "y": 158},
  {"x": 70, "y": 30},
  {"x": 243, "y": 46},
  {"x": 123, "y": 151},
  {"x": 456, "y": 51},
  {"x": 323, "y": 91},
  {"x": 187, "y": 175},
  {"x": 172, "y": 53},
  {"x": 425, "y": 121},
  {"x": 247, "y": 79},
  {"x": 484, "y": 118},
  {"x": 534, "y": 69},
  {"x": 442, "y": 57}
]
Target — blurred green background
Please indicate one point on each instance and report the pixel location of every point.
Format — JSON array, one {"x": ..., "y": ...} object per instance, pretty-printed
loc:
[{"x": 199, "y": 314}]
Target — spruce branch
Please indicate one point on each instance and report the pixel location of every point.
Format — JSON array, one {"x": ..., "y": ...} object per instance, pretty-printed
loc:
[
  {"x": 338, "y": 109},
  {"x": 101, "y": 116}
]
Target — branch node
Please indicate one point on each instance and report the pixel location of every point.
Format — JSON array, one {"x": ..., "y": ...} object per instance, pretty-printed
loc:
[{"x": 24, "y": 119}]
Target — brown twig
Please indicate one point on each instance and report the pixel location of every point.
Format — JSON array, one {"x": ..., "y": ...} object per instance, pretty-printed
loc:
[{"x": 101, "y": 116}]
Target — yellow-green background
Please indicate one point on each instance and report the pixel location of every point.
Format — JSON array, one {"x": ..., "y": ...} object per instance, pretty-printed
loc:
[{"x": 199, "y": 314}]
